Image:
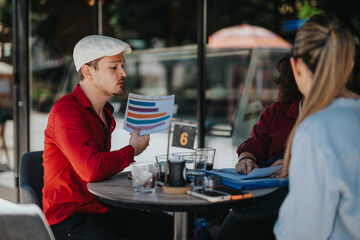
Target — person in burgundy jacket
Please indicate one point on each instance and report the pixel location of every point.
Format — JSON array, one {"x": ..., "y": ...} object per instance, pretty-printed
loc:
[
  {"x": 77, "y": 149},
  {"x": 265, "y": 147},
  {"x": 267, "y": 142}
]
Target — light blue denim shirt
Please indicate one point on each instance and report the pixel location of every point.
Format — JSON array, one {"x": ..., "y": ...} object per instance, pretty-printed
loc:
[{"x": 324, "y": 192}]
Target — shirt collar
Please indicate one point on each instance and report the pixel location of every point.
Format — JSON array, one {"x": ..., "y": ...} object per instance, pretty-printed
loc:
[
  {"x": 81, "y": 97},
  {"x": 83, "y": 100},
  {"x": 293, "y": 110},
  {"x": 110, "y": 107}
]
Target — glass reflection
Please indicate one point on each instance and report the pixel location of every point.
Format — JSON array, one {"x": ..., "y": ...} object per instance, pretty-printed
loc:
[{"x": 7, "y": 164}]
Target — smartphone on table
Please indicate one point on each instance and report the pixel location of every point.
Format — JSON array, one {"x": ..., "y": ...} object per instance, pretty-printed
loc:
[
  {"x": 235, "y": 194},
  {"x": 209, "y": 194}
]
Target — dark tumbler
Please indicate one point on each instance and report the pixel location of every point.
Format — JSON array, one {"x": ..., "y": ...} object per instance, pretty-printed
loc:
[{"x": 177, "y": 172}]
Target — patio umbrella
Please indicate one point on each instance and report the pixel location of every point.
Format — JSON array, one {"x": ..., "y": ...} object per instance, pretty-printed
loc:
[
  {"x": 260, "y": 42},
  {"x": 246, "y": 36}
]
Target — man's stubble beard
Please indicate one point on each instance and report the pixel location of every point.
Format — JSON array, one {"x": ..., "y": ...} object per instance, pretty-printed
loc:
[{"x": 120, "y": 92}]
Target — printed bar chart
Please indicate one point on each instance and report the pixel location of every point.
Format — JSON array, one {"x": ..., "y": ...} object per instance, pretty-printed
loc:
[{"x": 150, "y": 114}]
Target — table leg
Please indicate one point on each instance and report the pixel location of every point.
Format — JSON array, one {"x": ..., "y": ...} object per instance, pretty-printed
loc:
[{"x": 180, "y": 225}]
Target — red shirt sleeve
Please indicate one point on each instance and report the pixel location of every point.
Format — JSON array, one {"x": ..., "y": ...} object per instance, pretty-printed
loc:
[{"x": 75, "y": 135}]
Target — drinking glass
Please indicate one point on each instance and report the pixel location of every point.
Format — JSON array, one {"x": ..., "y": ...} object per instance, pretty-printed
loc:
[
  {"x": 161, "y": 161},
  {"x": 195, "y": 165},
  {"x": 144, "y": 176},
  {"x": 180, "y": 154},
  {"x": 210, "y": 153}
]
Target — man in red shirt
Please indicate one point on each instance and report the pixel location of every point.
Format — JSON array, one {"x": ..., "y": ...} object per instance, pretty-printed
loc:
[{"x": 78, "y": 142}]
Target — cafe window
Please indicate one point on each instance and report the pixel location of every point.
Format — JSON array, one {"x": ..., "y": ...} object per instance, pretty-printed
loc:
[
  {"x": 239, "y": 71},
  {"x": 163, "y": 62},
  {"x": 163, "y": 35},
  {"x": 155, "y": 67},
  {"x": 7, "y": 163},
  {"x": 53, "y": 36}
]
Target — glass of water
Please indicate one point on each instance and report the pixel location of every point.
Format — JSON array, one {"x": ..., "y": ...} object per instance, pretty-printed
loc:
[{"x": 144, "y": 175}]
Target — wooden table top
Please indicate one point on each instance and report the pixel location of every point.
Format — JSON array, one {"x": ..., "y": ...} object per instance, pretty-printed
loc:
[{"x": 118, "y": 191}]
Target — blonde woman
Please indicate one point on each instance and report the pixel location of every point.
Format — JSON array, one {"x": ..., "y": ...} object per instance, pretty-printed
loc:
[{"x": 323, "y": 152}]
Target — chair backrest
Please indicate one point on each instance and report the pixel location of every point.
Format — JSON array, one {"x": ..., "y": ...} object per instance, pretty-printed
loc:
[
  {"x": 31, "y": 178},
  {"x": 18, "y": 221}
]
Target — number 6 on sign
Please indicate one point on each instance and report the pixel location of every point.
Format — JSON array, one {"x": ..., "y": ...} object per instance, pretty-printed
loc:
[{"x": 184, "y": 136}]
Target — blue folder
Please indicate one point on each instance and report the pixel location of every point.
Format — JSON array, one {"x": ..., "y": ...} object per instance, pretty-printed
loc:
[{"x": 259, "y": 183}]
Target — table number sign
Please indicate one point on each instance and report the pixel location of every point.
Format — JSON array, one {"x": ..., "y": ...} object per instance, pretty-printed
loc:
[{"x": 184, "y": 136}]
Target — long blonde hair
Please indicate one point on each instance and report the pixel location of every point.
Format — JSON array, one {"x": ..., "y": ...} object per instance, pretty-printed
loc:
[{"x": 326, "y": 46}]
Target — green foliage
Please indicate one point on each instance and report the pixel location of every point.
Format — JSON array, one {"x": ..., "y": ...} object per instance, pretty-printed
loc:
[{"x": 307, "y": 11}]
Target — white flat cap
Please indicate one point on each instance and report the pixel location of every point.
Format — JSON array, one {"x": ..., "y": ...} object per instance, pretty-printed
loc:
[{"x": 96, "y": 46}]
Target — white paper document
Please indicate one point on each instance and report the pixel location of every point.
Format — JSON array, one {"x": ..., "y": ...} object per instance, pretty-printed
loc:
[
  {"x": 262, "y": 172},
  {"x": 150, "y": 114}
]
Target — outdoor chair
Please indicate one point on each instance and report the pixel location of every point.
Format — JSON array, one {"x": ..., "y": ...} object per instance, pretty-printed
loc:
[
  {"x": 19, "y": 222},
  {"x": 31, "y": 181}
]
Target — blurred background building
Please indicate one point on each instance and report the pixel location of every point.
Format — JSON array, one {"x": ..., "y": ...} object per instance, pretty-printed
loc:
[{"x": 217, "y": 57}]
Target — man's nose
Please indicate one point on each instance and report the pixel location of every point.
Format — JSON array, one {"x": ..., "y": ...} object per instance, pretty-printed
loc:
[{"x": 122, "y": 72}]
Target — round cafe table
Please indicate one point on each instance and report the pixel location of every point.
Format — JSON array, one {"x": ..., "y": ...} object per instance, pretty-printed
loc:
[{"x": 118, "y": 191}]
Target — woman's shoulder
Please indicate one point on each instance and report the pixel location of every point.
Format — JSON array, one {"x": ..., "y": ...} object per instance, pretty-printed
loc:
[
  {"x": 285, "y": 105},
  {"x": 333, "y": 128},
  {"x": 339, "y": 115},
  {"x": 280, "y": 106},
  {"x": 276, "y": 106},
  {"x": 338, "y": 110}
]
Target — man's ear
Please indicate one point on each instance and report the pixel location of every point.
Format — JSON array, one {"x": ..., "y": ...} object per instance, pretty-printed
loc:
[{"x": 86, "y": 71}]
